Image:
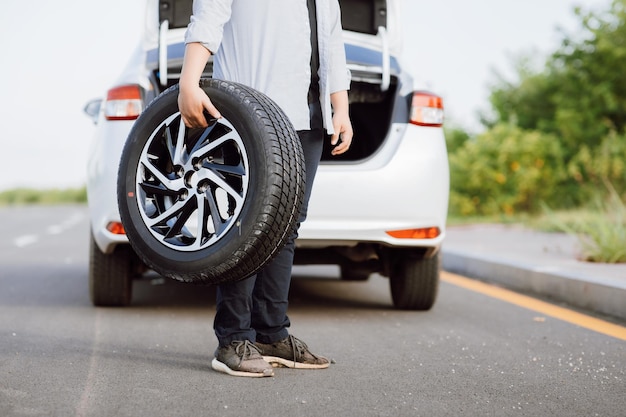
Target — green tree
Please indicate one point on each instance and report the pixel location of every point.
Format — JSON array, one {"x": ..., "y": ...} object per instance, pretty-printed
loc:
[
  {"x": 528, "y": 102},
  {"x": 591, "y": 99},
  {"x": 579, "y": 96}
]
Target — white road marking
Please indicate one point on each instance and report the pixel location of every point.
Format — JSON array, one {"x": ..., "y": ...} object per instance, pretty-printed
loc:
[
  {"x": 25, "y": 240},
  {"x": 56, "y": 229}
]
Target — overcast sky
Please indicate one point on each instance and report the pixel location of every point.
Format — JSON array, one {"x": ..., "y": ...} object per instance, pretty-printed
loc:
[{"x": 58, "y": 55}]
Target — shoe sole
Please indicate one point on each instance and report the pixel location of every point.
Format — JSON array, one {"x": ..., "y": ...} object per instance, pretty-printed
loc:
[
  {"x": 278, "y": 362},
  {"x": 222, "y": 367}
]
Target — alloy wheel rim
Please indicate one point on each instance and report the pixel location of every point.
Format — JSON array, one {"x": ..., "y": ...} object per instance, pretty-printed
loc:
[{"x": 191, "y": 184}]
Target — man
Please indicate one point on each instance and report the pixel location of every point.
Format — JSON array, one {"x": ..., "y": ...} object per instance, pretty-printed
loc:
[{"x": 291, "y": 50}]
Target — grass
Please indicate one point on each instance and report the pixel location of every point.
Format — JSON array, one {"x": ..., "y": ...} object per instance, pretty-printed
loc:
[
  {"x": 25, "y": 196},
  {"x": 599, "y": 227}
]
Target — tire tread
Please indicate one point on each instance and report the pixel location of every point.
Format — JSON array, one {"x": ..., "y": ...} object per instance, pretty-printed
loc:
[{"x": 110, "y": 276}]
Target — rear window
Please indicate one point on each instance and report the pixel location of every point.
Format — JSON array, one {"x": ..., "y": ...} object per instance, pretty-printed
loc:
[
  {"x": 363, "y": 16},
  {"x": 176, "y": 12}
]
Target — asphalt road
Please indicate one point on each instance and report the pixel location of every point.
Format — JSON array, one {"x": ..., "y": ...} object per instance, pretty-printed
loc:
[{"x": 470, "y": 355}]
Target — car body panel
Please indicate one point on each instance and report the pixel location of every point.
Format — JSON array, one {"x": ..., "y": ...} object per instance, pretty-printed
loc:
[{"x": 359, "y": 202}]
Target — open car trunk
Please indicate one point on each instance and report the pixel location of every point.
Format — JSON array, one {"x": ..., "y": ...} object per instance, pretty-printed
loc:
[
  {"x": 370, "y": 49},
  {"x": 371, "y": 115}
]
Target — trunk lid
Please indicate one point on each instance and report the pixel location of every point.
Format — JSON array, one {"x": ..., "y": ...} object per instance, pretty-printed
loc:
[{"x": 372, "y": 35}]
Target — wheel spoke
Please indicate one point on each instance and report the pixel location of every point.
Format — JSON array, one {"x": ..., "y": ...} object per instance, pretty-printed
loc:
[
  {"x": 237, "y": 170},
  {"x": 214, "y": 211},
  {"x": 212, "y": 176},
  {"x": 201, "y": 229},
  {"x": 152, "y": 189},
  {"x": 201, "y": 139},
  {"x": 167, "y": 214},
  {"x": 177, "y": 228},
  {"x": 156, "y": 172},
  {"x": 171, "y": 148},
  {"x": 208, "y": 147},
  {"x": 180, "y": 142}
]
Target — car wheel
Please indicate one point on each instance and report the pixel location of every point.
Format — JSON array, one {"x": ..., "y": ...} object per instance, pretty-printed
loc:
[
  {"x": 414, "y": 282},
  {"x": 110, "y": 276},
  {"x": 216, "y": 204}
]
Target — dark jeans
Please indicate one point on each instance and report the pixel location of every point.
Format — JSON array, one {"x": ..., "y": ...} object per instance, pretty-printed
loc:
[{"x": 256, "y": 308}]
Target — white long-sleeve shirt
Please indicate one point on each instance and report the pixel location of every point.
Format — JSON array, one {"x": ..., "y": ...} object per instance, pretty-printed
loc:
[{"x": 266, "y": 45}]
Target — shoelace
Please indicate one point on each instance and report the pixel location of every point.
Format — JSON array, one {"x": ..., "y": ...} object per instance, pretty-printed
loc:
[
  {"x": 245, "y": 349},
  {"x": 299, "y": 348}
]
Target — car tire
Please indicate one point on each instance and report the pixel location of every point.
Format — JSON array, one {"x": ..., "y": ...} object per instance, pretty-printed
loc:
[
  {"x": 110, "y": 275},
  {"x": 211, "y": 205},
  {"x": 414, "y": 282}
]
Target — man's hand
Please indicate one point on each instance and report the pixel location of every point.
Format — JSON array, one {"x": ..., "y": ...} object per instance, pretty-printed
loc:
[
  {"x": 192, "y": 102},
  {"x": 341, "y": 123}
]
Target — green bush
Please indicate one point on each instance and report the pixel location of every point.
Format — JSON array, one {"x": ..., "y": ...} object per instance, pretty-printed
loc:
[{"x": 505, "y": 170}]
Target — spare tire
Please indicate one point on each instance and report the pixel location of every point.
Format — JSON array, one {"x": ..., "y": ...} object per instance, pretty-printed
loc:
[{"x": 211, "y": 205}]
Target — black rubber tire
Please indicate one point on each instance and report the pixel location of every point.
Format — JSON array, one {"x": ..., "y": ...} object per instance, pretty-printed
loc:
[
  {"x": 414, "y": 282},
  {"x": 269, "y": 207},
  {"x": 110, "y": 276}
]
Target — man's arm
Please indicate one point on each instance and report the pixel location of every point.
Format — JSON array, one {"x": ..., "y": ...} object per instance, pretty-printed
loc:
[
  {"x": 339, "y": 83},
  {"x": 192, "y": 100}
]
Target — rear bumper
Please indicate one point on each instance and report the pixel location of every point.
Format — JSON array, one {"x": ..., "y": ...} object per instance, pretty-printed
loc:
[{"x": 403, "y": 186}]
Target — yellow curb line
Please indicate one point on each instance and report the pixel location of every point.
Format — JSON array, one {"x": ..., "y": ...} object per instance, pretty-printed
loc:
[{"x": 570, "y": 316}]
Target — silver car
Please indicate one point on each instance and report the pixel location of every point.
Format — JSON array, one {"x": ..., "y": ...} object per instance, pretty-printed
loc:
[{"x": 392, "y": 186}]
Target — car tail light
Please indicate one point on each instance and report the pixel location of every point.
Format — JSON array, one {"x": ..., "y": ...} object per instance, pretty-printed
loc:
[
  {"x": 422, "y": 233},
  {"x": 123, "y": 103},
  {"x": 116, "y": 228},
  {"x": 426, "y": 109}
]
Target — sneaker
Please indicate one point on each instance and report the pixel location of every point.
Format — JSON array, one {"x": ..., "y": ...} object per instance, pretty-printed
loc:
[
  {"x": 291, "y": 353},
  {"x": 241, "y": 358}
]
